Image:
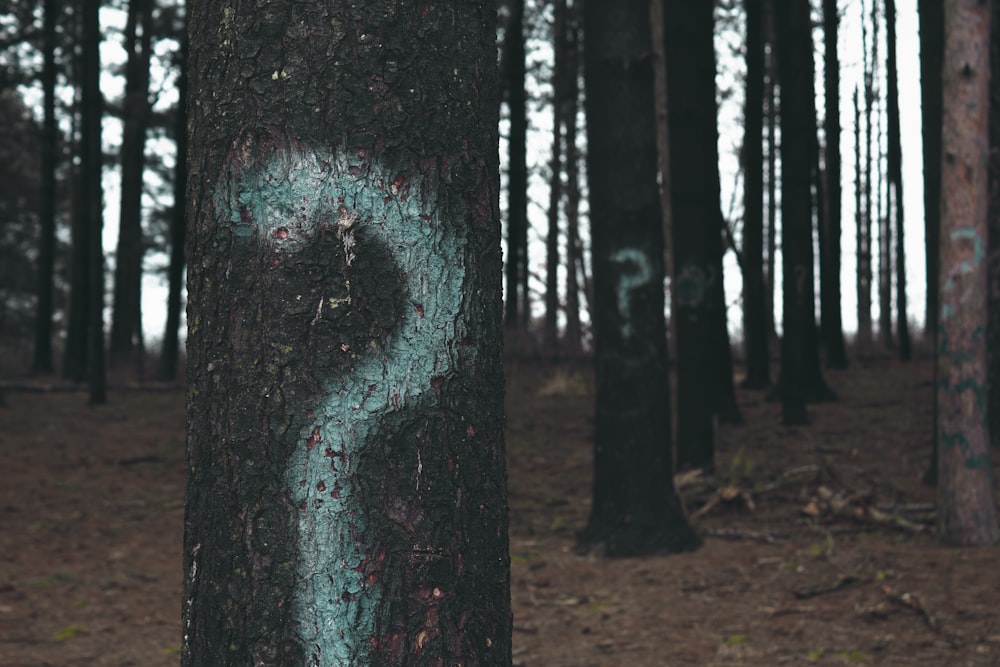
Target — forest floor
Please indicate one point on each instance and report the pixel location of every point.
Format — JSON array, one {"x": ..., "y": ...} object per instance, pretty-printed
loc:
[{"x": 817, "y": 541}]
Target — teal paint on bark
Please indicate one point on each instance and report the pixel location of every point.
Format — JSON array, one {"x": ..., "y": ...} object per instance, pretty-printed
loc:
[
  {"x": 639, "y": 272},
  {"x": 285, "y": 204}
]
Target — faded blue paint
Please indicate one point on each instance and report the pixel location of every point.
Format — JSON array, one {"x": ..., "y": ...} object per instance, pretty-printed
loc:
[
  {"x": 639, "y": 274},
  {"x": 282, "y": 203}
]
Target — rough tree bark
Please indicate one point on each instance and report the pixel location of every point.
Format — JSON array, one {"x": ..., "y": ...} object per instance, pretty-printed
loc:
[
  {"x": 346, "y": 482},
  {"x": 966, "y": 505},
  {"x": 635, "y": 508}
]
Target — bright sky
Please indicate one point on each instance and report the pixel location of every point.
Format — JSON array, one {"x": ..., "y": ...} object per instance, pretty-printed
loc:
[{"x": 730, "y": 124}]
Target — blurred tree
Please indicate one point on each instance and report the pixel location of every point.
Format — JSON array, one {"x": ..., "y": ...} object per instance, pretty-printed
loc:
[
  {"x": 635, "y": 508},
  {"x": 795, "y": 77},
  {"x": 552, "y": 262},
  {"x": 125, "y": 345},
  {"x": 20, "y": 173},
  {"x": 42, "y": 361},
  {"x": 895, "y": 180},
  {"x": 931, "y": 14},
  {"x": 863, "y": 235},
  {"x": 170, "y": 350},
  {"x": 518, "y": 308},
  {"x": 346, "y": 491},
  {"x": 704, "y": 378},
  {"x": 755, "y": 317},
  {"x": 966, "y": 504},
  {"x": 831, "y": 326},
  {"x": 92, "y": 196}
]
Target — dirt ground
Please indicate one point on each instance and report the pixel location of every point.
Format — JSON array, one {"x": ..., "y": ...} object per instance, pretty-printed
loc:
[{"x": 817, "y": 542}]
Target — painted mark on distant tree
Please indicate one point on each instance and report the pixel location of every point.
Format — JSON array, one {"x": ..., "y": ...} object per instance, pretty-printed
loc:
[
  {"x": 390, "y": 319},
  {"x": 692, "y": 284},
  {"x": 637, "y": 271},
  {"x": 971, "y": 255}
]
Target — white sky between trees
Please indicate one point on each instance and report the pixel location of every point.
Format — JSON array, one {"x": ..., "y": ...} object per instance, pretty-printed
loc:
[{"x": 730, "y": 66}]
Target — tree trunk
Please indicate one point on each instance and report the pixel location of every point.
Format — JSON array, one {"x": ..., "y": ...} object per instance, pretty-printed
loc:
[
  {"x": 993, "y": 243},
  {"x": 346, "y": 483},
  {"x": 880, "y": 214},
  {"x": 830, "y": 294},
  {"x": 896, "y": 180},
  {"x": 696, "y": 224},
  {"x": 754, "y": 301},
  {"x": 125, "y": 345},
  {"x": 74, "y": 366},
  {"x": 574, "y": 258},
  {"x": 42, "y": 361},
  {"x": 864, "y": 240},
  {"x": 518, "y": 308},
  {"x": 966, "y": 504},
  {"x": 551, "y": 332},
  {"x": 170, "y": 351},
  {"x": 635, "y": 509},
  {"x": 91, "y": 165},
  {"x": 797, "y": 113},
  {"x": 931, "y": 14},
  {"x": 770, "y": 97}
]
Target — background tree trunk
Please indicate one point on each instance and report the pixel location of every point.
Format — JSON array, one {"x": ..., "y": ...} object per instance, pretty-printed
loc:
[
  {"x": 346, "y": 486},
  {"x": 797, "y": 118},
  {"x": 91, "y": 165},
  {"x": 864, "y": 232},
  {"x": 895, "y": 166},
  {"x": 754, "y": 301},
  {"x": 518, "y": 307},
  {"x": 966, "y": 505},
  {"x": 42, "y": 361},
  {"x": 635, "y": 509},
  {"x": 696, "y": 224},
  {"x": 170, "y": 351},
  {"x": 574, "y": 258},
  {"x": 551, "y": 332},
  {"x": 125, "y": 345},
  {"x": 830, "y": 295},
  {"x": 931, "y": 15}
]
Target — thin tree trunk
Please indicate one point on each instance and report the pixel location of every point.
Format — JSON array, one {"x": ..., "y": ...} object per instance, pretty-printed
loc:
[
  {"x": 518, "y": 307},
  {"x": 574, "y": 259},
  {"x": 830, "y": 295},
  {"x": 895, "y": 167},
  {"x": 771, "y": 112},
  {"x": 42, "y": 361},
  {"x": 931, "y": 13},
  {"x": 797, "y": 117},
  {"x": 551, "y": 329},
  {"x": 125, "y": 345},
  {"x": 881, "y": 212},
  {"x": 993, "y": 242},
  {"x": 755, "y": 317},
  {"x": 966, "y": 504},
  {"x": 170, "y": 352},
  {"x": 865, "y": 333},
  {"x": 74, "y": 365},
  {"x": 91, "y": 164}
]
